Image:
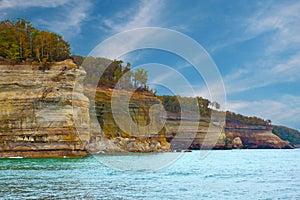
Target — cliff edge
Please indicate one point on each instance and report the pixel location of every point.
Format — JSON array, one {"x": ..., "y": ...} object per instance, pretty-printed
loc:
[{"x": 36, "y": 112}]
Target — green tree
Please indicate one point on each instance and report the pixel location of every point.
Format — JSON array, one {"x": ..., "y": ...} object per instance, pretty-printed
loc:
[
  {"x": 140, "y": 78},
  {"x": 19, "y": 40}
]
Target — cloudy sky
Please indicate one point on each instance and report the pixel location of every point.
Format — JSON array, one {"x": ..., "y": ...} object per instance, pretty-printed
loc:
[{"x": 255, "y": 44}]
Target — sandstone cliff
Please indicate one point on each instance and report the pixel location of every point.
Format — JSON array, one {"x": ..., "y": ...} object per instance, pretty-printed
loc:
[
  {"x": 254, "y": 137},
  {"x": 36, "y": 112},
  {"x": 180, "y": 134},
  {"x": 43, "y": 108},
  {"x": 202, "y": 137},
  {"x": 169, "y": 132},
  {"x": 146, "y": 133},
  {"x": 235, "y": 135}
]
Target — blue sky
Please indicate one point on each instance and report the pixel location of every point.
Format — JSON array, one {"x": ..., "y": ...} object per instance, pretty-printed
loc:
[{"x": 255, "y": 44}]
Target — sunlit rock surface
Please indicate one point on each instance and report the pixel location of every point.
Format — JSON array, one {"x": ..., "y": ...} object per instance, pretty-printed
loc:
[
  {"x": 254, "y": 137},
  {"x": 36, "y": 113},
  {"x": 146, "y": 133},
  {"x": 45, "y": 113}
]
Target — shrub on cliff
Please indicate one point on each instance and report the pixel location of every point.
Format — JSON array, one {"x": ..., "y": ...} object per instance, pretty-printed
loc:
[
  {"x": 285, "y": 133},
  {"x": 241, "y": 119},
  {"x": 171, "y": 104},
  {"x": 111, "y": 73}
]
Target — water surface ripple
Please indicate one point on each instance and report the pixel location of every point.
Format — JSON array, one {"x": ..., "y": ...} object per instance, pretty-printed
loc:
[{"x": 236, "y": 174}]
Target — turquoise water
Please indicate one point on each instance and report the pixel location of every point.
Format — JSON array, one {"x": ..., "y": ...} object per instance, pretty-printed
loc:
[{"x": 236, "y": 174}]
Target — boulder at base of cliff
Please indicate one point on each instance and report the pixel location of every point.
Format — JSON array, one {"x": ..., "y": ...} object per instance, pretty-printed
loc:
[{"x": 237, "y": 143}]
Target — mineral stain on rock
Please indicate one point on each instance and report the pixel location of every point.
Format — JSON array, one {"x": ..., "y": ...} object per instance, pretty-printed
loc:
[
  {"x": 146, "y": 133},
  {"x": 36, "y": 112}
]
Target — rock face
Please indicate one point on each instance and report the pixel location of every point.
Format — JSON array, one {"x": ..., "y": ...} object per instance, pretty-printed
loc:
[
  {"x": 140, "y": 129},
  {"x": 44, "y": 113},
  {"x": 234, "y": 136},
  {"x": 254, "y": 137},
  {"x": 198, "y": 137},
  {"x": 237, "y": 143},
  {"x": 173, "y": 133},
  {"x": 170, "y": 132},
  {"x": 36, "y": 113}
]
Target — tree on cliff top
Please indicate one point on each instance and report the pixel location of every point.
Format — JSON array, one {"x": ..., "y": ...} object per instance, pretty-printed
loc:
[
  {"x": 113, "y": 73},
  {"x": 140, "y": 77},
  {"x": 19, "y": 40}
]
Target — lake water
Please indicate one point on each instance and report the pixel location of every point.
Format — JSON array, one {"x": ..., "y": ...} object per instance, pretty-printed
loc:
[{"x": 236, "y": 174}]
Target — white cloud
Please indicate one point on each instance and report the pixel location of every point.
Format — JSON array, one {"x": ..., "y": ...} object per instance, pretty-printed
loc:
[
  {"x": 282, "y": 24},
  {"x": 277, "y": 62},
  {"x": 182, "y": 27},
  {"x": 279, "y": 23},
  {"x": 13, "y": 4},
  {"x": 279, "y": 20},
  {"x": 146, "y": 15},
  {"x": 69, "y": 21},
  {"x": 291, "y": 68},
  {"x": 262, "y": 74},
  {"x": 283, "y": 20},
  {"x": 181, "y": 65}
]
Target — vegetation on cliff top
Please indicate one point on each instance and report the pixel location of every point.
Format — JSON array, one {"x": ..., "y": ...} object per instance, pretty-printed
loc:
[
  {"x": 171, "y": 104},
  {"x": 285, "y": 133},
  {"x": 20, "y": 41},
  {"x": 110, "y": 74},
  {"x": 232, "y": 117}
]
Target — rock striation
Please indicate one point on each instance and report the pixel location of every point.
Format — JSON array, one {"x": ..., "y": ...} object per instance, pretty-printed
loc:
[
  {"x": 234, "y": 135},
  {"x": 199, "y": 137},
  {"x": 172, "y": 133},
  {"x": 145, "y": 133},
  {"x": 45, "y": 112},
  {"x": 37, "y": 105},
  {"x": 254, "y": 137}
]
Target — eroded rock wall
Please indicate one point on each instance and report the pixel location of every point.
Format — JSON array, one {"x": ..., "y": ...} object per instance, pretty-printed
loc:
[
  {"x": 200, "y": 136},
  {"x": 254, "y": 137},
  {"x": 234, "y": 135},
  {"x": 36, "y": 111},
  {"x": 145, "y": 134},
  {"x": 44, "y": 113}
]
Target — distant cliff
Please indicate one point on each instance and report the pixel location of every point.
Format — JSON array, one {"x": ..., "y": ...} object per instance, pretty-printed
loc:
[
  {"x": 291, "y": 135},
  {"x": 235, "y": 135},
  {"x": 254, "y": 137},
  {"x": 36, "y": 112}
]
